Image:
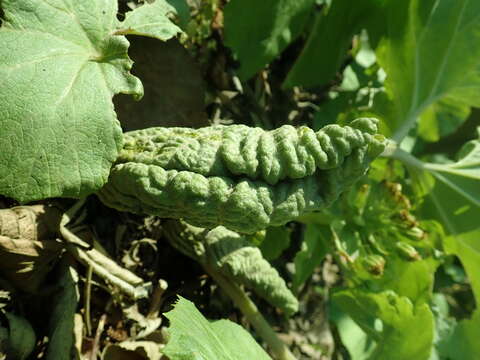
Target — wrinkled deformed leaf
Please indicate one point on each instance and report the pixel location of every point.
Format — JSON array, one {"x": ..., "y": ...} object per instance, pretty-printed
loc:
[
  {"x": 230, "y": 254},
  {"x": 258, "y": 31},
  {"x": 192, "y": 337},
  {"x": 34, "y": 223},
  {"x": 244, "y": 178},
  {"x": 60, "y": 65}
]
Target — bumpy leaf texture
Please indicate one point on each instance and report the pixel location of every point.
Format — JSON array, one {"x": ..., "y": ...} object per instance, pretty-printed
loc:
[
  {"x": 232, "y": 255},
  {"x": 243, "y": 178}
]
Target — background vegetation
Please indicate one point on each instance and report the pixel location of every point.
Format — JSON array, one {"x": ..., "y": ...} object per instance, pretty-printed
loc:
[{"x": 390, "y": 271}]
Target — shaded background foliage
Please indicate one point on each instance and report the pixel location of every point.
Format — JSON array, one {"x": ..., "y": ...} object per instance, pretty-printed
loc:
[{"x": 397, "y": 253}]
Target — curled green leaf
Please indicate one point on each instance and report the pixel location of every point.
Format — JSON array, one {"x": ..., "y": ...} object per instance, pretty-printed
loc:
[
  {"x": 245, "y": 179},
  {"x": 251, "y": 152},
  {"x": 232, "y": 255}
]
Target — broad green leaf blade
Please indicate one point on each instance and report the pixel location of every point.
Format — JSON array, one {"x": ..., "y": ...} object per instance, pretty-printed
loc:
[
  {"x": 329, "y": 42},
  {"x": 61, "y": 322},
  {"x": 21, "y": 337},
  {"x": 192, "y": 337},
  {"x": 400, "y": 337},
  {"x": 456, "y": 196},
  {"x": 60, "y": 65},
  {"x": 311, "y": 254},
  {"x": 151, "y": 20},
  {"x": 430, "y": 52},
  {"x": 258, "y": 31}
]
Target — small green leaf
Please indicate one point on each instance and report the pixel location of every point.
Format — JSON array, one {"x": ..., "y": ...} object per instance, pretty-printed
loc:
[
  {"x": 358, "y": 344},
  {"x": 412, "y": 279},
  {"x": 398, "y": 338},
  {"x": 192, "y": 337},
  {"x": 311, "y": 254},
  {"x": 150, "y": 20},
  {"x": 258, "y": 31}
]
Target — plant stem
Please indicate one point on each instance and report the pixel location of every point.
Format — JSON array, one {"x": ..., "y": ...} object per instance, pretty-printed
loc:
[
  {"x": 87, "y": 296},
  {"x": 253, "y": 315},
  {"x": 409, "y": 122},
  {"x": 394, "y": 152},
  {"x": 129, "y": 283}
]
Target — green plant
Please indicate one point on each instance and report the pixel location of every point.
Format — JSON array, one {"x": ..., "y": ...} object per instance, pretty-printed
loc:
[
  {"x": 372, "y": 238},
  {"x": 243, "y": 178}
]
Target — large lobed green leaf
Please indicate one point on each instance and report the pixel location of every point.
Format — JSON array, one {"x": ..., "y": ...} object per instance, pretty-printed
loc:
[
  {"x": 60, "y": 65},
  {"x": 430, "y": 52},
  {"x": 192, "y": 337}
]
